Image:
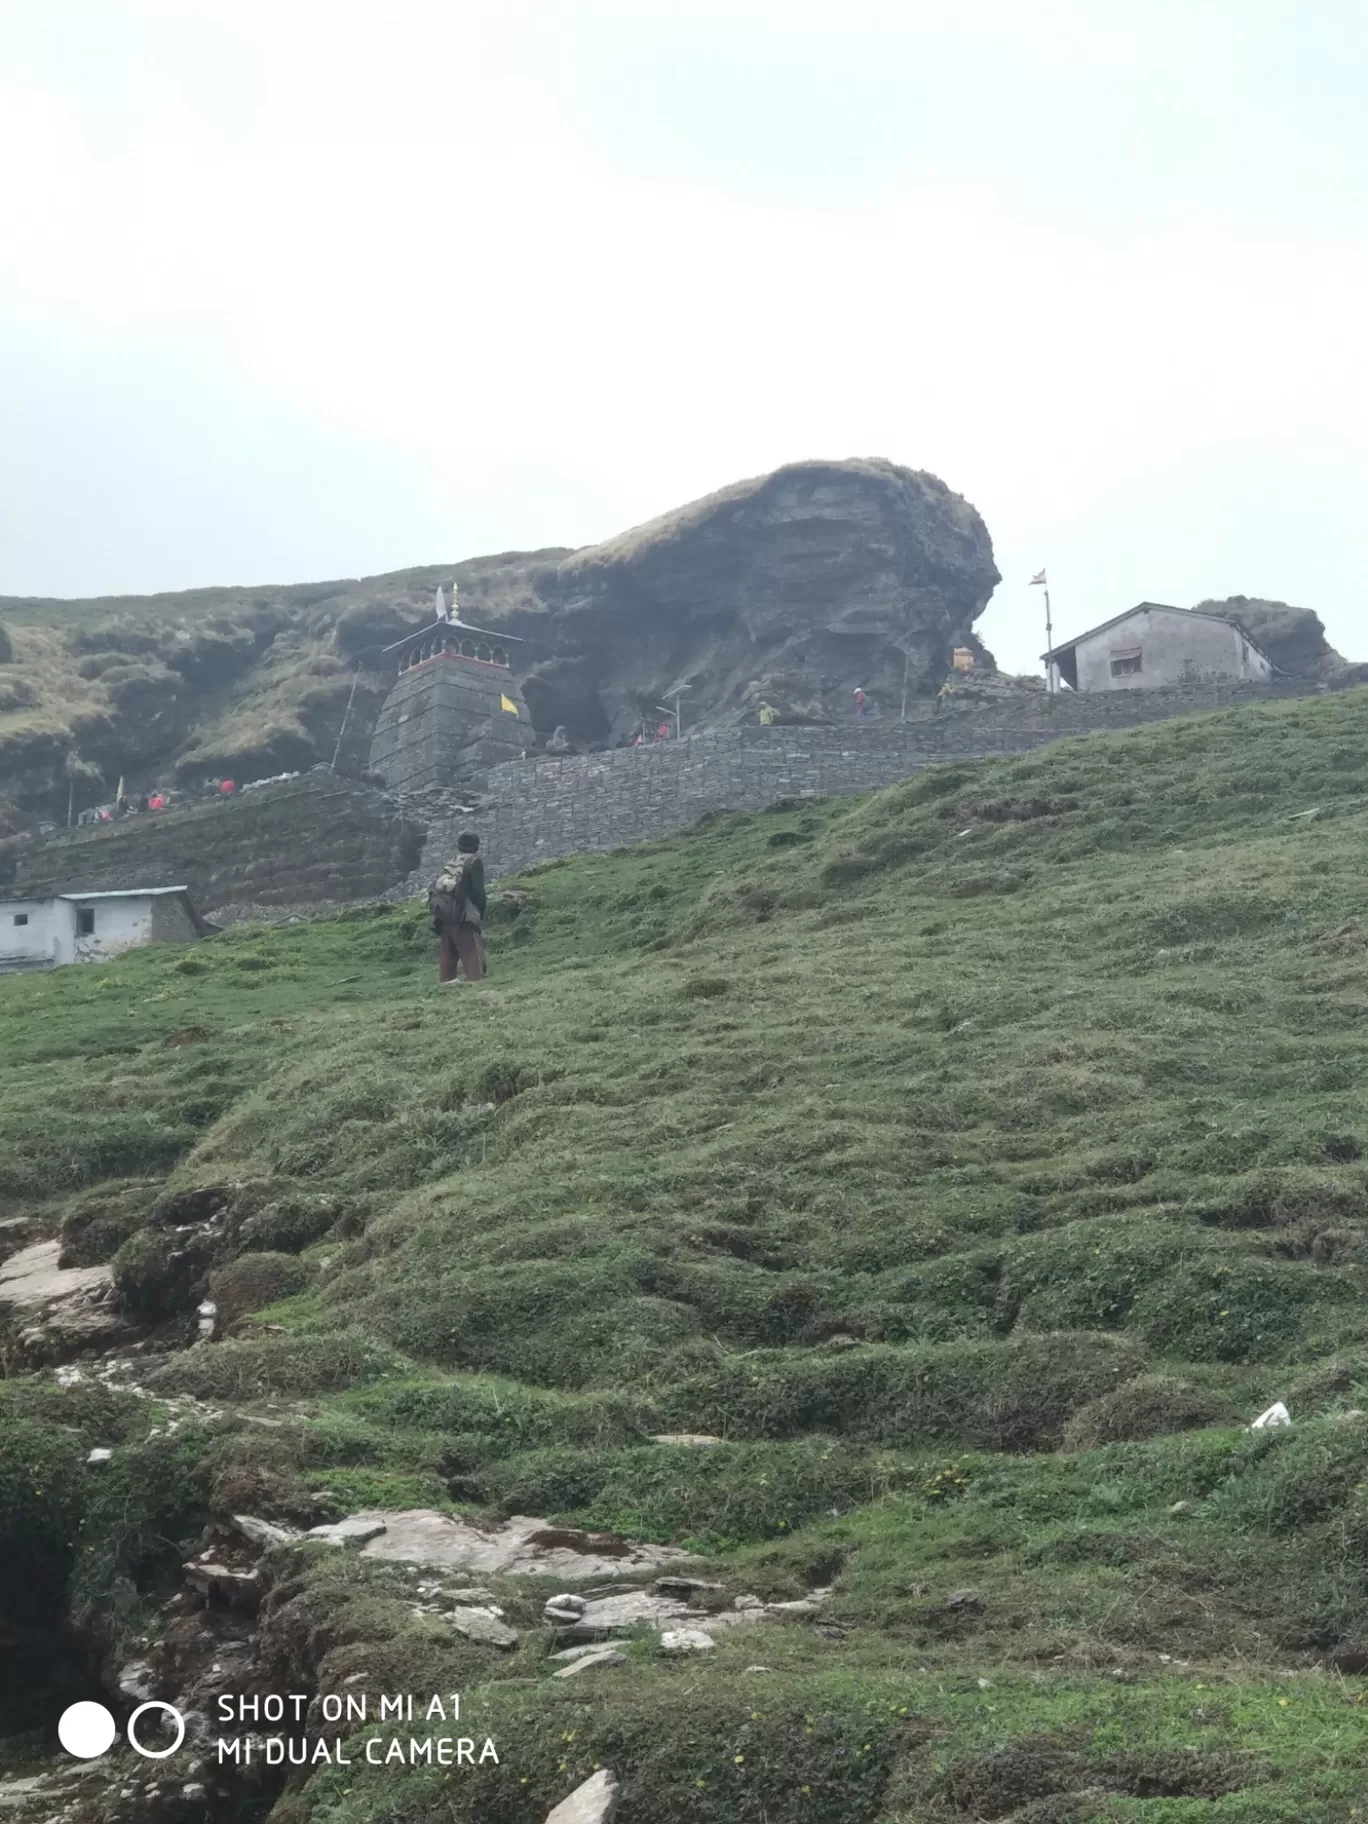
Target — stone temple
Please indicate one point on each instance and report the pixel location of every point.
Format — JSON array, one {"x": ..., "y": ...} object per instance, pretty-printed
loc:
[{"x": 453, "y": 711}]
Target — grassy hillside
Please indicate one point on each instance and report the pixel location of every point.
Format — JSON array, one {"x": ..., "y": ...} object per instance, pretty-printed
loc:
[{"x": 1041, "y": 1080}]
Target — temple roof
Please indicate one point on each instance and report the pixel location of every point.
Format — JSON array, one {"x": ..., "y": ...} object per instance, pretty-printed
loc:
[{"x": 423, "y": 633}]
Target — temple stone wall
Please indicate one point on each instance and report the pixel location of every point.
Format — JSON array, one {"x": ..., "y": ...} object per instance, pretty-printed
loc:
[{"x": 443, "y": 722}]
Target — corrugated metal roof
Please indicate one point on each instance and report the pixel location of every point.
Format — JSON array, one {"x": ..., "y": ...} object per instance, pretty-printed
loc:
[{"x": 123, "y": 893}]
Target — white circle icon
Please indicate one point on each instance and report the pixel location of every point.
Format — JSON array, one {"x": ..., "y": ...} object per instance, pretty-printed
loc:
[
  {"x": 86, "y": 1730},
  {"x": 157, "y": 1754}
]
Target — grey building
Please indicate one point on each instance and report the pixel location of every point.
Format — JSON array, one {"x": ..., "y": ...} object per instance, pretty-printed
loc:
[{"x": 1151, "y": 645}]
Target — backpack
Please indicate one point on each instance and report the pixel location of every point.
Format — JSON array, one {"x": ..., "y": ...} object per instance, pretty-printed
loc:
[{"x": 447, "y": 894}]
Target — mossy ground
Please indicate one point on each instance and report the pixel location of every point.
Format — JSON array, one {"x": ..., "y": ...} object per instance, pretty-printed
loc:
[{"x": 1041, "y": 1080}]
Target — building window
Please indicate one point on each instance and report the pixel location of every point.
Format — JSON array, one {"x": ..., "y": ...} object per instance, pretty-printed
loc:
[
  {"x": 21, "y": 918},
  {"x": 85, "y": 921},
  {"x": 1125, "y": 665}
]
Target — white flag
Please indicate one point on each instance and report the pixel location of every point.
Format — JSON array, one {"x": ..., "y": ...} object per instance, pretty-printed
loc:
[{"x": 440, "y": 604}]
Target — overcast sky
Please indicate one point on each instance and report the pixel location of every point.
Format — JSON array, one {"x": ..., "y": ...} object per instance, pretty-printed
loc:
[{"x": 292, "y": 291}]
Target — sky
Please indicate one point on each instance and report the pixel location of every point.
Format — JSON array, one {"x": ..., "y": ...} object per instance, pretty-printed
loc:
[{"x": 293, "y": 291}]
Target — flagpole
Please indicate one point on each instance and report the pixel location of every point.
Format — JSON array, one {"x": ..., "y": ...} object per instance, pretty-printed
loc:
[{"x": 1049, "y": 639}]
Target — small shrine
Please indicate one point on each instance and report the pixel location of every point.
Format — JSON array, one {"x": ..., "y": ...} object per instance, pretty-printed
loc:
[{"x": 454, "y": 709}]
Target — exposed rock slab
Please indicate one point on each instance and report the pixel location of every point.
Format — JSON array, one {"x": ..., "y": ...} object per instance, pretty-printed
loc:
[
  {"x": 521, "y": 1544},
  {"x": 73, "y": 1310},
  {"x": 595, "y": 1802},
  {"x": 483, "y": 1626},
  {"x": 32, "y": 1276},
  {"x": 592, "y": 1661}
]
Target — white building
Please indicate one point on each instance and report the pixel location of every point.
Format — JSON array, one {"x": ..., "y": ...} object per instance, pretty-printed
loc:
[
  {"x": 1151, "y": 645},
  {"x": 92, "y": 927}
]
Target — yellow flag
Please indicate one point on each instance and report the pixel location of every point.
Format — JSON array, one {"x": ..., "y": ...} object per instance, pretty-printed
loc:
[{"x": 508, "y": 704}]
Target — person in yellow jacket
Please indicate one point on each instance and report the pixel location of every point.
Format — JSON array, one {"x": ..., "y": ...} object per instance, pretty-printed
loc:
[{"x": 766, "y": 715}]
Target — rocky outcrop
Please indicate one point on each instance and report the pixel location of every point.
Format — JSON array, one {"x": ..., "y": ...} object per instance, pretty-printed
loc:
[
  {"x": 1294, "y": 638},
  {"x": 792, "y": 589}
]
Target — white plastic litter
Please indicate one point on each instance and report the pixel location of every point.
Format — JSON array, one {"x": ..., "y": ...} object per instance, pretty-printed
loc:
[{"x": 1277, "y": 1414}]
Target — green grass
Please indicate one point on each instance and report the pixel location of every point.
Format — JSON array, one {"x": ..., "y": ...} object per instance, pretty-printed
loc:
[{"x": 972, "y": 1159}]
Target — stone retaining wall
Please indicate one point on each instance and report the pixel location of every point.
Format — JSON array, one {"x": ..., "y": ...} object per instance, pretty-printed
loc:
[
  {"x": 322, "y": 840},
  {"x": 317, "y": 839},
  {"x": 535, "y": 810}
]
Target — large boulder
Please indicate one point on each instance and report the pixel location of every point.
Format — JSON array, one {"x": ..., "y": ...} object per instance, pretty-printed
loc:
[
  {"x": 1294, "y": 638},
  {"x": 793, "y": 588}
]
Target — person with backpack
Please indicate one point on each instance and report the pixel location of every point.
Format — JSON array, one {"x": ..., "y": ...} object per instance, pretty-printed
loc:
[{"x": 456, "y": 903}]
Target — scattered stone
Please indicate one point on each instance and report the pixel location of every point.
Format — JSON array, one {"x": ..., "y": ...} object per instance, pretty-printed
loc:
[
  {"x": 595, "y": 1802},
  {"x": 264, "y": 1532},
  {"x": 748, "y": 1602},
  {"x": 806, "y": 1606},
  {"x": 357, "y": 1529},
  {"x": 619, "y": 1614},
  {"x": 474, "y": 1598},
  {"x": 195, "y": 1793},
  {"x": 690, "y": 1440},
  {"x": 755, "y": 1668},
  {"x": 591, "y": 1661},
  {"x": 568, "y": 1653},
  {"x": 207, "y": 1316},
  {"x": 136, "y": 1681},
  {"x": 1348, "y": 1416},
  {"x": 1180, "y": 1507},
  {"x": 564, "y": 1608},
  {"x": 964, "y": 1600},
  {"x": 481, "y": 1626},
  {"x": 99, "y": 1456},
  {"x": 213, "y": 1578},
  {"x": 685, "y": 1640},
  {"x": 842, "y": 1341}
]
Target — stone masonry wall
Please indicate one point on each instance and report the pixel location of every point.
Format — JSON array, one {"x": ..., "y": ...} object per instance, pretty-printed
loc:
[
  {"x": 319, "y": 839},
  {"x": 323, "y": 840},
  {"x": 535, "y": 810}
]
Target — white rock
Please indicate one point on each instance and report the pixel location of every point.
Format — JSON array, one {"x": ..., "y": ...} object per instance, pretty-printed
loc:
[
  {"x": 690, "y": 1440},
  {"x": 595, "y": 1802},
  {"x": 352, "y": 1531},
  {"x": 520, "y": 1544},
  {"x": 99, "y": 1456},
  {"x": 564, "y": 1608},
  {"x": 685, "y": 1640},
  {"x": 591, "y": 1661},
  {"x": 1277, "y": 1414},
  {"x": 481, "y": 1626},
  {"x": 136, "y": 1680},
  {"x": 755, "y": 1668},
  {"x": 263, "y": 1532}
]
